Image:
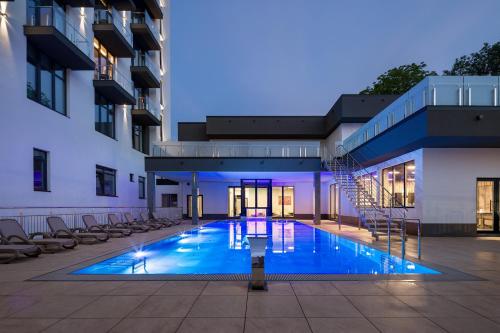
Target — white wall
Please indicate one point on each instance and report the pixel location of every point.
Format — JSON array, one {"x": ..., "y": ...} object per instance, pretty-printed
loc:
[
  {"x": 74, "y": 145},
  {"x": 342, "y": 132}
]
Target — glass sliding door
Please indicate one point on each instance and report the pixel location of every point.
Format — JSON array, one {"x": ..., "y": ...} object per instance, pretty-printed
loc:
[
  {"x": 190, "y": 205},
  {"x": 234, "y": 201},
  {"x": 487, "y": 204},
  {"x": 256, "y": 196},
  {"x": 283, "y": 201}
]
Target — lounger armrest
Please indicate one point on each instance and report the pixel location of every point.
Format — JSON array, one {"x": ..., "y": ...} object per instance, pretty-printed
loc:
[
  {"x": 97, "y": 228},
  {"x": 43, "y": 234},
  {"x": 21, "y": 239},
  {"x": 77, "y": 230},
  {"x": 121, "y": 225},
  {"x": 3, "y": 240},
  {"x": 62, "y": 233}
]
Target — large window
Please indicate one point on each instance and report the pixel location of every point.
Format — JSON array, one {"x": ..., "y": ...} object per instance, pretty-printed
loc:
[
  {"x": 104, "y": 62},
  {"x": 369, "y": 185},
  {"x": 138, "y": 138},
  {"x": 142, "y": 187},
  {"x": 169, "y": 200},
  {"x": 283, "y": 201},
  {"x": 46, "y": 81},
  {"x": 399, "y": 181},
  {"x": 105, "y": 181},
  {"x": 105, "y": 116},
  {"x": 40, "y": 170}
]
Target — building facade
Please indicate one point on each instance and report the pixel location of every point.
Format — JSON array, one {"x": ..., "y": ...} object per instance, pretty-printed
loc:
[{"x": 85, "y": 94}]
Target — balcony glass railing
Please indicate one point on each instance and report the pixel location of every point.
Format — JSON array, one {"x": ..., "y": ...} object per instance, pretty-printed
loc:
[
  {"x": 54, "y": 16},
  {"x": 433, "y": 90},
  {"x": 109, "y": 72},
  {"x": 104, "y": 16},
  {"x": 144, "y": 103},
  {"x": 144, "y": 18},
  {"x": 212, "y": 149},
  {"x": 143, "y": 59}
]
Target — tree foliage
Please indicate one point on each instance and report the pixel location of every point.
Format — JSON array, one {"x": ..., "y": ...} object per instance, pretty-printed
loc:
[
  {"x": 484, "y": 62},
  {"x": 398, "y": 80}
]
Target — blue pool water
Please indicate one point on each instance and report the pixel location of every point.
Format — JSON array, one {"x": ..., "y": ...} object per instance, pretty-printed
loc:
[{"x": 222, "y": 248}]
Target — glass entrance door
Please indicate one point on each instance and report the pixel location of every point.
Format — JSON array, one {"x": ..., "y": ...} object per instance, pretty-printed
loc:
[
  {"x": 256, "y": 197},
  {"x": 487, "y": 204},
  {"x": 283, "y": 201},
  {"x": 190, "y": 205},
  {"x": 234, "y": 201}
]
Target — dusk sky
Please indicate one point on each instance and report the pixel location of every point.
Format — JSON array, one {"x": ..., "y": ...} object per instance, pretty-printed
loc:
[{"x": 295, "y": 57}]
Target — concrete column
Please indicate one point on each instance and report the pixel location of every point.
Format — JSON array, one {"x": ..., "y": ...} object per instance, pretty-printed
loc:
[
  {"x": 151, "y": 191},
  {"x": 317, "y": 197},
  {"x": 194, "y": 197}
]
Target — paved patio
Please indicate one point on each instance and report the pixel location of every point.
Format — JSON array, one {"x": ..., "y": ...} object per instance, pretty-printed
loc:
[{"x": 215, "y": 306}]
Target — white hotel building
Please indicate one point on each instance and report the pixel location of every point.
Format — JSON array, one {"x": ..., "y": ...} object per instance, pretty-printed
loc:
[{"x": 85, "y": 120}]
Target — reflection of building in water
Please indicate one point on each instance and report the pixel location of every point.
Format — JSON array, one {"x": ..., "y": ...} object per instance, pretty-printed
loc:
[
  {"x": 283, "y": 237},
  {"x": 235, "y": 236},
  {"x": 256, "y": 228}
]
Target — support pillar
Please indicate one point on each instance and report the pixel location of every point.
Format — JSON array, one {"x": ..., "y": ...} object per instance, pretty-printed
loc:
[
  {"x": 194, "y": 198},
  {"x": 151, "y": 192},
  {"x": 317, "y": 198}
]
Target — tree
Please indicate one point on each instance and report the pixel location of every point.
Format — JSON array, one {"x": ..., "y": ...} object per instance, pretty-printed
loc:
[
  {"x": 398, "y": 80},
  {"x": 484, "y": 62}
]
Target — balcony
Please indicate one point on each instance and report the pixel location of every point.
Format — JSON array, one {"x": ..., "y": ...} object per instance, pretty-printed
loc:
[
  {"x": 143, "y": 113},
  {"x": 145, "y": 72},
  {"x": 48, "y": 29},
  {"x": 113, "y": 85},
  {"x": 79, "y": 3},
  {"x": 127, "y": 5},
  {"x": 112, "y": 31},
  {"x": 152, "y": 6},
  {"x": 146, "y": 36}
]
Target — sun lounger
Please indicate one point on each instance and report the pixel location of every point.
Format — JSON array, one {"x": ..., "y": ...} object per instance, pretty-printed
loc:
[
  {"x": 92, "y": 226},
  {"x": 152, "y": 223},
  {"x": 61, "y": 230},
  {"x": 137, "y": 227},
  {"x": 132, "y": 226},
  {"x": 14, "y": 251},
  {"x": 173, "y": 221},
  {"x": 14, "y": 233}
]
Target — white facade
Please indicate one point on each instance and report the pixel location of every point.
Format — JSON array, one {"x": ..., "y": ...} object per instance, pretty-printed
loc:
[{"x": 74, "y": 146}]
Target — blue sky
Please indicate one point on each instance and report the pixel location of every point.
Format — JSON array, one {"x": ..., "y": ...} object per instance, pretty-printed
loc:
[{"x": 295, "y": 57}]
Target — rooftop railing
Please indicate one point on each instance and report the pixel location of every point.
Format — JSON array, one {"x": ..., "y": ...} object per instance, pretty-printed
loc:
[
  {"x": 144, "y": 59},
  {"x": 432, "y": 91},
  {"x": 219, "y": 149},
  {"x": 104, "y": 16},
  {"x": 144, "y": 103},
  {"x": 54, "y": 16},
  {"x": 109, "y": 72},
  {"x": 144, "y": 18}
]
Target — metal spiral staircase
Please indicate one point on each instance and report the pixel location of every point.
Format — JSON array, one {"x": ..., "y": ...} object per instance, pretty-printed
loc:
[{"x": 378, "y": 210}]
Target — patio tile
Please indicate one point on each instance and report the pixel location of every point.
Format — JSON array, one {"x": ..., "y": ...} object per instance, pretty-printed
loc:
[
  {"x": 54, "y": 307},
  {"x": 309, "y": 288},
  {"x": 327, "y": 306},
  {"x": 110, "y": 307},
  {"x": 72, "y": 288},
  {"x": 359, "y": 288},
  {"x": 133, "y": 288},
  {"x": 226, "y": 288},
  {"x": 212, "y": 325},
  {"x": 275, "y": 288},
  {"x": 164, "y": 306},
  {"x": 273, "y": 306},
  {"x": 403, "y": 288},
  {"x": 382, "y": 306},
  {"x": 437, "y": 306},
  {"x": 15, "y": 288},
  {"x": 464, "y": 325},
  {"x": 182, "y": 288},
  {"x": 407, "y": 325},
  {"x": 218, "y": 306},
  {"x": 12, "y": 304},
  {"x": 449, "y": 288},
  {"x": 271, "y": 325},
  {"x": 147, "y": 325},
  {"x": 341, "y": 325},
  {"x": 9, "y": 325},
  {"x": 83, "y": 325},
  {"x": 488, "y": 306}
]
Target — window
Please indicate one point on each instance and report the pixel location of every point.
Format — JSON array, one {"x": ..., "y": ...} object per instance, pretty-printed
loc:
[
  {"x": 169, "y": 200},
  {"x": 399, "y": 183},
  {"x": 142, "y": 187},
  {"x": 40, "y": 167},
  {"x": 105, "y": 181},
  {"x": 46, "y": 81},
  {"x": 138, "y": 135},
  {"x": 104, "y": 62},
  {"x": 105, "y": 116}
]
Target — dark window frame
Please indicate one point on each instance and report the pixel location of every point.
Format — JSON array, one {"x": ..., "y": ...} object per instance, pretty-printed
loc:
[
  {"x": 168, "y": 203},
  {"x": 106, "y": 108},
  {"x": 39, "y": 61},
  {"x": 44, "y": 172},
  {"x": 139, "y": 140},
  {"x": 101, "y": 173},
  {"x": 391, "y": 190},
  {"x": 142, "y": 187}
]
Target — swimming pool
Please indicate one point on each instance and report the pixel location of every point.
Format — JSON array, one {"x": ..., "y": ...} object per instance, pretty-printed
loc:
[{"x": 222, "y": 248}]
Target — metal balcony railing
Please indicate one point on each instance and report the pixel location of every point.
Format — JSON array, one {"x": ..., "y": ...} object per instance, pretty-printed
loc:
[
  {"x": 54, "y": 16},
  {"x": 144, "y": 103},
  {"x": 144, "y": 59},
  {"x": 104, "y": 16},
  {"x": 109, "y": 72},
  {"x": 144, "y": 18},
  {"x": 211, "y": 149}
]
